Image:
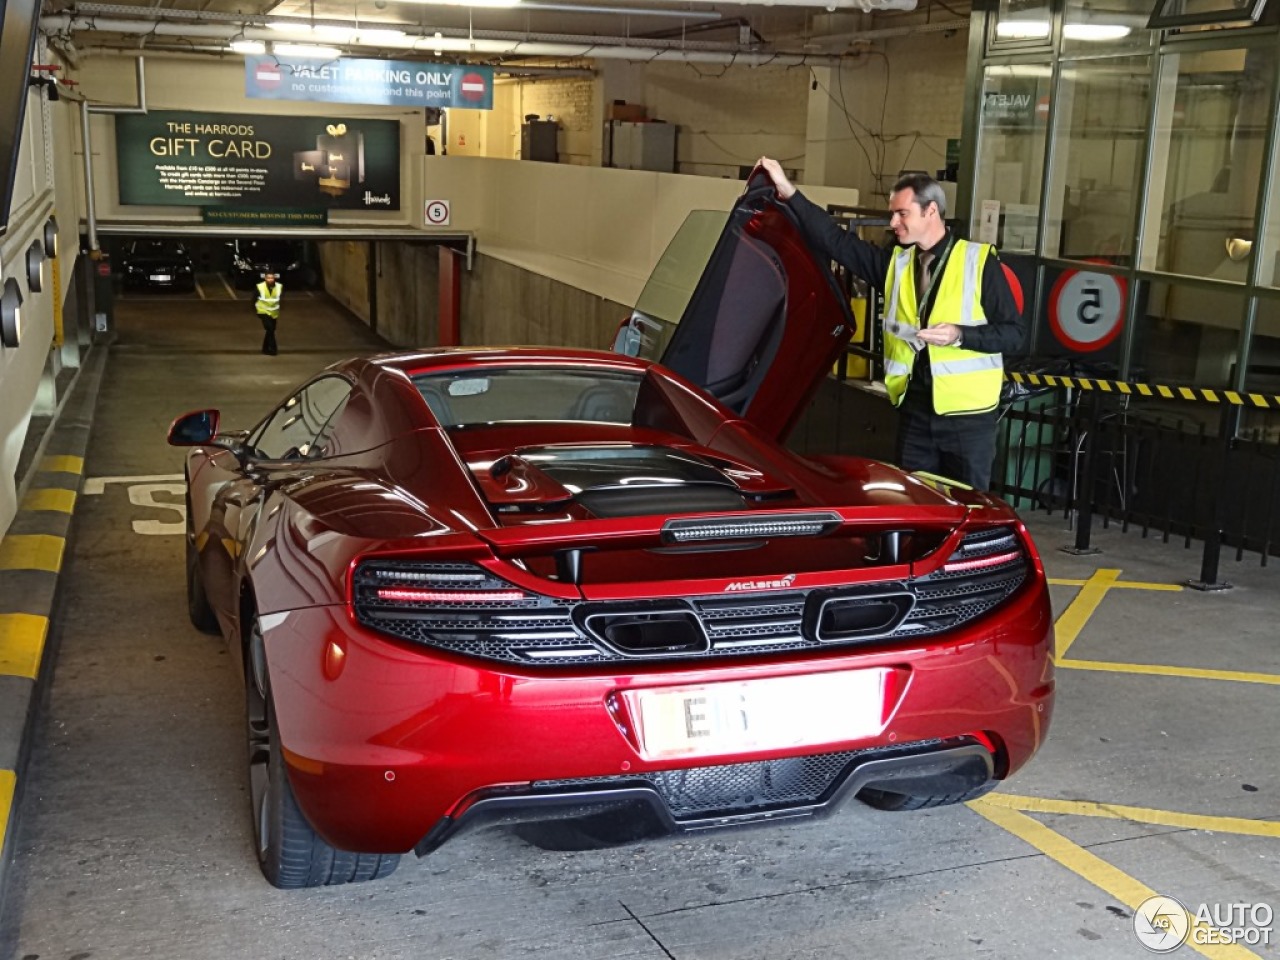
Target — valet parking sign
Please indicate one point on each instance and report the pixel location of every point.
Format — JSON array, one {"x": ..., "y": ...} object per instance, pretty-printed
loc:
[{"x": 392, "y": 83}]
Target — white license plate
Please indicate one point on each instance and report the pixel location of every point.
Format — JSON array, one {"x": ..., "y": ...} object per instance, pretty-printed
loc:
[
  {"x": 756, "y": 715},
  {"x": 161, "y": 277}
]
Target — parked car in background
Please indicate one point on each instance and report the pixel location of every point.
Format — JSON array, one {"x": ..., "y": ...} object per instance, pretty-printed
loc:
[
  {"x": 253, "y": 258},
  {"x": 578, "y": 589},
  {"x": 156, "y": 263}
]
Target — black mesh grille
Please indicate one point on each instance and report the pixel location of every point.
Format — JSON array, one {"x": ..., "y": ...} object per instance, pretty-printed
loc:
[
  {"x": 736, "y": 788},
  {"x": 528, "y": 628}
]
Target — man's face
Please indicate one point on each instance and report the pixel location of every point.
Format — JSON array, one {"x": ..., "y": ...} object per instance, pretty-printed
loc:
[
  {"x": 270, "y": 278},
  {"x": 908, "y": 222}
]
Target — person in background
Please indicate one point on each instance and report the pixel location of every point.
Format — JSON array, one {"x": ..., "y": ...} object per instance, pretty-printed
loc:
[
  {"x": 267, "y": 306},
  {"x": 950, "y": 316}
]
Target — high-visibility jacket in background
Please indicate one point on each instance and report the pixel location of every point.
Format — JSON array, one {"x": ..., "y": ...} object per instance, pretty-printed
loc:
[
  {"x": 964, "y": 381},
  {"x": 269, "y": 300}
]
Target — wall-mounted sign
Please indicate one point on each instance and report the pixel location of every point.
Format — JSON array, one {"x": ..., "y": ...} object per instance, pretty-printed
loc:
[
  {"x": 260, "y": 217},
  {"x": 437, "y": 213},
  {"x": 393, "y": 83},
  {"x": 185, "y": 158},
  {"x": 1086, "y": 309}
]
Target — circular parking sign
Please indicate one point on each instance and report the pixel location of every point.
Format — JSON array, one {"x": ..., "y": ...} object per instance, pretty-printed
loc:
[
  {"x": 1086, "y": 309},
  {"x": 438, "y": 213},
  {"x": 267, "y": 75}
]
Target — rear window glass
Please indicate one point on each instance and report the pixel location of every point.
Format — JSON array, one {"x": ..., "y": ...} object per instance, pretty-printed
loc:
[{"x": 478, "y": 396}]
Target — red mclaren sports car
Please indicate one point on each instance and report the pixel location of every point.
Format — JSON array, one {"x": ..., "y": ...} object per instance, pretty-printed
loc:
[{"x": 591, "y": 591}]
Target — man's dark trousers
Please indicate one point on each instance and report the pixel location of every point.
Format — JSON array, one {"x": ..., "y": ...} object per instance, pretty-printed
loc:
[
  {"x": 960, "y": 447},
  {"x": 269, "y": 337}
]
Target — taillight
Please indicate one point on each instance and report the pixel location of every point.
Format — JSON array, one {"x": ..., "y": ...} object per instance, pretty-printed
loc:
[
  {"x": 399, "y": 583},
  {"x": 983, "y": 572}
]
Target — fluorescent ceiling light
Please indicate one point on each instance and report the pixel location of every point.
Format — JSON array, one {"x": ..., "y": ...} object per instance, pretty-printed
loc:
[
  {"x": 306, "y": 51},
  {"x": 249, "y": 48},
  {"x": 1022, "y": 29},
  {"x": 1095, "y": 31},
  {"x": 333, "y": 33},
  {"x": 296, "y": 26},
  {"x": 469, "y": 3}
]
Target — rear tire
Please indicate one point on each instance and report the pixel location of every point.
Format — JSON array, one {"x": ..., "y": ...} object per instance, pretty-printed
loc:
[
  {"x": 291, "y": 854},
  {"x": 883, "y": 800},
  {"x": 198, "y": 609}
]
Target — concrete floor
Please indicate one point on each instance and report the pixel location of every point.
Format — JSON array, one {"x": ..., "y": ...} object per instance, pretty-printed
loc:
[{"x": 1159, "y": 775}]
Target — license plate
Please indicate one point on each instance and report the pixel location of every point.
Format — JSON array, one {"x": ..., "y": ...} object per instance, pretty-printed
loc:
[
  {"x": 161, "y": 277},
  {"x": 756, "y": 715}
]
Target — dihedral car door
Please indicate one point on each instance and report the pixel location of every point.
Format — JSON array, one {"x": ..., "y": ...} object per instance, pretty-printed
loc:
[{"x": 766, "y": 321}]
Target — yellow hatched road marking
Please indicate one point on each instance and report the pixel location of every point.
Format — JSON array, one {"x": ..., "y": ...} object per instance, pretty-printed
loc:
[
  {"x": 64, "y": 464},
  {"x": 51, "y": 499},
  {"x": 1088, "y": 866},
  {"x": 31, "y": 551},
  {"x": 1163, "y": 670},
  {"x": 1115, "y": 811},
  {"x": 8, "y": 780},
  {"x": 1081, "y": 609},
  {"x": 22, "y": 637}
]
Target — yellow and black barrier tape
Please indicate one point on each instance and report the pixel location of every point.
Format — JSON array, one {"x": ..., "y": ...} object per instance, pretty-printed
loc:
[{"x": 1157, "y": 391}]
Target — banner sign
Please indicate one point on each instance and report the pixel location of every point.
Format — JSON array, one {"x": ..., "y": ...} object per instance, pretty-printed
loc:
[
  {"x": 392, "y": 83},
  {"x": 259, "y": 217},
  {"x": 184, "y": 158}
]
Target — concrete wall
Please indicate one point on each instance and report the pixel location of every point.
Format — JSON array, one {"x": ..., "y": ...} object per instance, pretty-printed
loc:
[
  {"x": 344, "y": 264},
  {"x": 49, "y": 342}
]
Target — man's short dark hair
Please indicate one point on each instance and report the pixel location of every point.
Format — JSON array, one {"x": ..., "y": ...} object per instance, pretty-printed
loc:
[{"x": 926, "y": 189}]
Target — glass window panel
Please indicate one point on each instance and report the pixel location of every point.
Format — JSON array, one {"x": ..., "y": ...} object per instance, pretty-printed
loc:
[
  {"x": 1209, "y": 136},
  {"x": 1015, "y": 103},
  {"x": 1104, "y": 26},
  {"x": 1268, "y": 250},
  {"x": 1100, "y": 126},
  {"x": 1263, "y": 374},
  {"x": 1173, "y": 13},
  {"x": 1022, "y": 22},
  {"x": 1187, "y": 335}
]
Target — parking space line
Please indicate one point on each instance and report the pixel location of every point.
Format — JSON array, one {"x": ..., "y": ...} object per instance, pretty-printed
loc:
[
  {"x": 230, "y": 293},
  {"x": 1089, "y": 867},
  {"x": 199, "y": 289},
  {"x": 1078, "y": 612},
  {"x": 32, "y": 551},
  {"x": 1120, "y": 584},
  {"x": 22, "y": 637},
  {"x": 1164, "y": 670},
  {"x": 1116, "y": 811}
]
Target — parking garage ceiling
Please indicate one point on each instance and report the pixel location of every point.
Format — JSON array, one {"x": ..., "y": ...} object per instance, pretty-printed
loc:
[{"x": 515, "y": 34}]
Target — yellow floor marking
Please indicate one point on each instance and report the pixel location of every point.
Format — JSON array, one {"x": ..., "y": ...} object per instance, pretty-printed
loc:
[
  {"x": 1163, "y": 670},
  {"x": 1081, "y": 609},
  {"x": 31, "y": 551},
  {"x": 1128, "y": 890},
  {"x": 1116, "y": 811},
  {"x": 22, "y": 638},
  {"x": 1119, "y": 584},
  {"x": 52, "y": 499},
  {"x": 63, "y": 464},
  {"x": 8, "y": 780}
]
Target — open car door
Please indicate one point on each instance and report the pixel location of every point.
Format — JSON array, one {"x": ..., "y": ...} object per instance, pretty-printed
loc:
[{"x": 741, "y": 306}]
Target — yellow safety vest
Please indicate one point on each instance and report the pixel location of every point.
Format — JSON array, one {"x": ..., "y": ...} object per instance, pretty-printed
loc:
[
  {"x": 964, "y": 381},
  {"x": 269, "y": 302}
]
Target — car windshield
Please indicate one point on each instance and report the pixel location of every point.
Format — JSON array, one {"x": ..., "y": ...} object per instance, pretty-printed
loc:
[
  {"x": 664, "y": 298},
  {"x": 156, "y": 248},
  {"x": 267, "y": 249},
  {"x": 503, "y": 395}
]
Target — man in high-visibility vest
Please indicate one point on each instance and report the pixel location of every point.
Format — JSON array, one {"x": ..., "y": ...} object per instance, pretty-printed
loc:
[
  {"x": 949, "y": 317},
  {"x": 267, "y": 307}
]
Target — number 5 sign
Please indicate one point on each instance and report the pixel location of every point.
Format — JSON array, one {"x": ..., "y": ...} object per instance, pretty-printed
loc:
[{"x": 1086, "y": 309}]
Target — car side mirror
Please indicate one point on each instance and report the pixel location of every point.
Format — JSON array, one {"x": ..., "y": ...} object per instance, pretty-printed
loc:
[{"x": 194, "y": 429}]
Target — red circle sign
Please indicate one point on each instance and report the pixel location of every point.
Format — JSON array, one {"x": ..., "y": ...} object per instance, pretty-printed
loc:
[
  {"x": 1086, "y": 309},
  {"x": 472, "y": 87},
  {"x": 267, "y": 75}
]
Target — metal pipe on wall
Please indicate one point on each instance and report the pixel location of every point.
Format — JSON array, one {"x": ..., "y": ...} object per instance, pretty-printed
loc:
[{"x": 90, "y": 207}]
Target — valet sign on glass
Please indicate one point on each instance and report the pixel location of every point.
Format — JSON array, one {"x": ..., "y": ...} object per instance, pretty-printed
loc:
[
  {"x": 392, "y": 83},
  {"x": 186, "y": 158}
]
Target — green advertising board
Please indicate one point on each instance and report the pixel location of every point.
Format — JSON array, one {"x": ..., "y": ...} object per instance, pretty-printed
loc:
[{"x": 186, "y": 158}]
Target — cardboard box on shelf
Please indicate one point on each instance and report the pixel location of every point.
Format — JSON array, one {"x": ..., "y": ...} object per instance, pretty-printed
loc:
[{"x": 630, "y": 112}]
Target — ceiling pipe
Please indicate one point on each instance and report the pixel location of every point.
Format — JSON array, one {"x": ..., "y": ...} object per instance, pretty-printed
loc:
[
  {"x": 123, "y": 10},
  {"x": 616, "y": 48}
]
